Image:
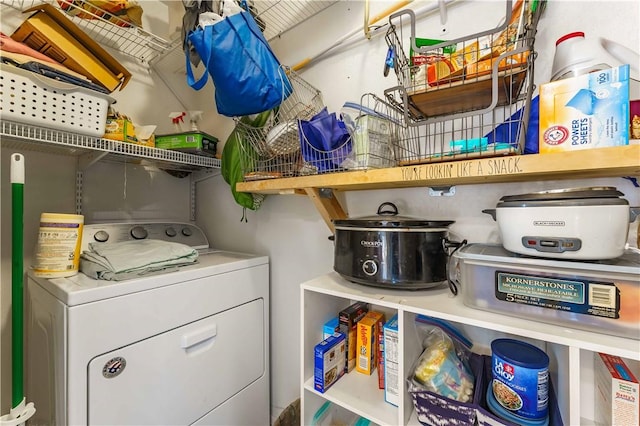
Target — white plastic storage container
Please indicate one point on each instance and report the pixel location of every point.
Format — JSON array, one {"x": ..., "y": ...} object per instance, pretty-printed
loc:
[
  {"x": 375, "y": 134},
  {"x": 599, "y": 296},
  {"x": 30, "y": 98}
]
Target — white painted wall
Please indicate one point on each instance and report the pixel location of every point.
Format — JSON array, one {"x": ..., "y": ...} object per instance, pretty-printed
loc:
[{"x": 288, "y": 228}]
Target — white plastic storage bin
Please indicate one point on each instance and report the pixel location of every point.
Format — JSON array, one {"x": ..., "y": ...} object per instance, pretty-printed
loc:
[{"x": 29, "y": 98}]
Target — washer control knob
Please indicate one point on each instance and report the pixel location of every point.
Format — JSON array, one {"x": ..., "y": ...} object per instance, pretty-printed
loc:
[
  {"x": 101, "y": 236},
  {"x": 370, "y": 267},
  {"x": 170, "y": 232},
  {"x": 138, "y": 233},
  {"x": 187, "y": 232}
]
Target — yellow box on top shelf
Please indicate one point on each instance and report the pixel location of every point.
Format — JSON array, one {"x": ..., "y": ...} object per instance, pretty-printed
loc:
[
  {"x": 120, "y": 129},
  {"x": 587, "y": 111}
]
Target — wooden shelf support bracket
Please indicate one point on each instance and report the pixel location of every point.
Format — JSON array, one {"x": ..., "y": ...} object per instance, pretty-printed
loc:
[{"x": 327, "y": 204}]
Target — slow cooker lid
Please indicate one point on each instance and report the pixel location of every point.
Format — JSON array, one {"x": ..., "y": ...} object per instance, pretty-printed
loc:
[
  {"x": 566, "y": 194},
  {"x": 388, "y": 217}
]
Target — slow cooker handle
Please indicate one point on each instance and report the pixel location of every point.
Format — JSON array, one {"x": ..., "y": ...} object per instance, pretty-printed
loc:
[
  {"x": 634, "y": 212},
  {"x": 490, "y": 212},
  {"x": 447, "y": 244},
  {"x": 394, "y": 212}
]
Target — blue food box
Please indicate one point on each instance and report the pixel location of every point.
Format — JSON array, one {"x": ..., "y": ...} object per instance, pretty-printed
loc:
[
  {"x": 329, "y": 362},
  {"x": 331, "y": 327},
  {"x": 392, "y": 390}
]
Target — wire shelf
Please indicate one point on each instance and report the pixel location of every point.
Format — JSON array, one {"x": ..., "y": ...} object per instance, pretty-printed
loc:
[
  {"x": 54, "y": 141},
  {"x": 107, "y": 29},
  {"x": 468, "y": 97}
]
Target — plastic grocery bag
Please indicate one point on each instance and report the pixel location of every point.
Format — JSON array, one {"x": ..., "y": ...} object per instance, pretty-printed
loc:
[
  {"x": 247, "y": 75},
  {"x": 325, "y": 141}
]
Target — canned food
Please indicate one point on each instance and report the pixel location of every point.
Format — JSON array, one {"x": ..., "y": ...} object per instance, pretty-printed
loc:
[{"x": 520, "y": 385}]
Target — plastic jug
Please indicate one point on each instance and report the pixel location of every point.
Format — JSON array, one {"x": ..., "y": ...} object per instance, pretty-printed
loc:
[{"x": 576, "y": 55}]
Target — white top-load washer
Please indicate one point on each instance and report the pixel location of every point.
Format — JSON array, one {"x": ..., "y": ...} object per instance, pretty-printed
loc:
[{"x": 186, "y": 347}]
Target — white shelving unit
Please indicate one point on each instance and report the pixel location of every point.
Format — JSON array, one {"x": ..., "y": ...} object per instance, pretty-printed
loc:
[{"x": 570, "y": 351}]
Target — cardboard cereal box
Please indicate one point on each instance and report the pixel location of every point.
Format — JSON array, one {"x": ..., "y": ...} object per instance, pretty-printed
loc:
[{"x": 367, "y": 341}]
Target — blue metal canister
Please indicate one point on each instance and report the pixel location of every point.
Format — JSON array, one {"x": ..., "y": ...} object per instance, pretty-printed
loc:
[{"x": 520, "y": 382}]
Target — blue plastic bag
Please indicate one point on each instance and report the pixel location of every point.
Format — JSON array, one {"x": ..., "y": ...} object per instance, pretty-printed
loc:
[
  {"x": 247, "y": 75},
  {"x": 507, "y": 132},
  {"x": 325, "y": 141}
]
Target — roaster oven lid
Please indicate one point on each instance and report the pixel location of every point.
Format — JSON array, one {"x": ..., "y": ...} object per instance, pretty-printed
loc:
[{"x": 566, "y": 194}]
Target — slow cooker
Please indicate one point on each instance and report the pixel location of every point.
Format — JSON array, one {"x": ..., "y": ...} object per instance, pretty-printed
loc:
[
  {"x": 392, "y": 251},
  {"x": 589, "y": 223}
]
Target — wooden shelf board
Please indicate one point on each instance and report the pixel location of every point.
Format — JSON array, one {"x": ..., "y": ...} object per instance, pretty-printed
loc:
[{"x": 589, "y": 163}]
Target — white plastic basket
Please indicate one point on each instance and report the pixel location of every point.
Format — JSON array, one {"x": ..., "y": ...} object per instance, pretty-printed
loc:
[{"x": 29, "y": 98}]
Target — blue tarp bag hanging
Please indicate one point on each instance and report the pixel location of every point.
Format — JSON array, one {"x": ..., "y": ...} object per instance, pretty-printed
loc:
[{"x": 247, "y": 76}]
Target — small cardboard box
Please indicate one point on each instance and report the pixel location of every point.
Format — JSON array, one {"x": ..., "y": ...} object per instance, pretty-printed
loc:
[
  {"x": 348, "y": 318},
  {"x": 616, "y": 392},
  {"x": 120, "y": 129},
  {"x": 192, "y": 142},
  {"x": 329, "y": 361},
  {"x": 587, "y": 111},
  {"x": 380, "y": 353},
  {"x": 366, "y": 342},
  {"x": 391, "y": 377},
  {"x": 330, "y": 328},
  {"x": 49, "y": 32}
]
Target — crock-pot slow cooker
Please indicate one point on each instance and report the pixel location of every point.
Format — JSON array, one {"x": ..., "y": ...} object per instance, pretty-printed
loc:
[
  {"x": 392, "y": 251},
  {"x": 577, "y": 223}
]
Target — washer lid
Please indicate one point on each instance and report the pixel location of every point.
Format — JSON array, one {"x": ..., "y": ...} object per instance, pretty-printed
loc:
[
  {"x": 566, "y": 194},
  {"x": 80, "y": 288}
]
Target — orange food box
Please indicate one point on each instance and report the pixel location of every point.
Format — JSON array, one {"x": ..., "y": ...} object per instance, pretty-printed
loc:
[{"x": 368, "y": 329}]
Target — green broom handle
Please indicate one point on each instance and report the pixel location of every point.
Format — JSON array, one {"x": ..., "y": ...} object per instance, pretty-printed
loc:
[{"x": 17, "y": 276}]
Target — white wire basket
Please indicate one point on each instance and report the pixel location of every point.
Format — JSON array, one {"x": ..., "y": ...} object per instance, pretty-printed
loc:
[
  {"x": 29, "y": 98},
  {"x": 468, "y": 97},
  {"x": 272, "y": 149},
  {"x": 375, "y": 131}
]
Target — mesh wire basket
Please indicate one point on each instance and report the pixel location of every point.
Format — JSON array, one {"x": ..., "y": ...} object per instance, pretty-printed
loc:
[
  {"x": 375, "y": 131},
  {"x": 468, "y": 97},
  {"x": 271, "y": 149}
]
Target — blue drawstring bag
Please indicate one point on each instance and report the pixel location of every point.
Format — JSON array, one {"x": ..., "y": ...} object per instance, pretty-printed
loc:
[
  {"x": 325, "y": 141},
  {"x": 247, "y": 76}
]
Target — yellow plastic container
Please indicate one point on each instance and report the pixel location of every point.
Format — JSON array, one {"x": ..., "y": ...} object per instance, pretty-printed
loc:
[{"x": 58, "y": 248}]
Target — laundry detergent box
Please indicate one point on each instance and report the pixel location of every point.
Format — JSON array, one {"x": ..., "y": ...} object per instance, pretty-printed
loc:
[
  {"x": 616, "y": 392},
  {"x": 329, "y": 360},
  {"x": 587, "y": 111}
]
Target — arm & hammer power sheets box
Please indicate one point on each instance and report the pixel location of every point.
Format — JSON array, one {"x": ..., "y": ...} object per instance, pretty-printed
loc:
[{"x": 587, "y": 111}]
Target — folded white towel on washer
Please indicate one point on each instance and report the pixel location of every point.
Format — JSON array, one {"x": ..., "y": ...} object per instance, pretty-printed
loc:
[{"x": 130, "y": 259}]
